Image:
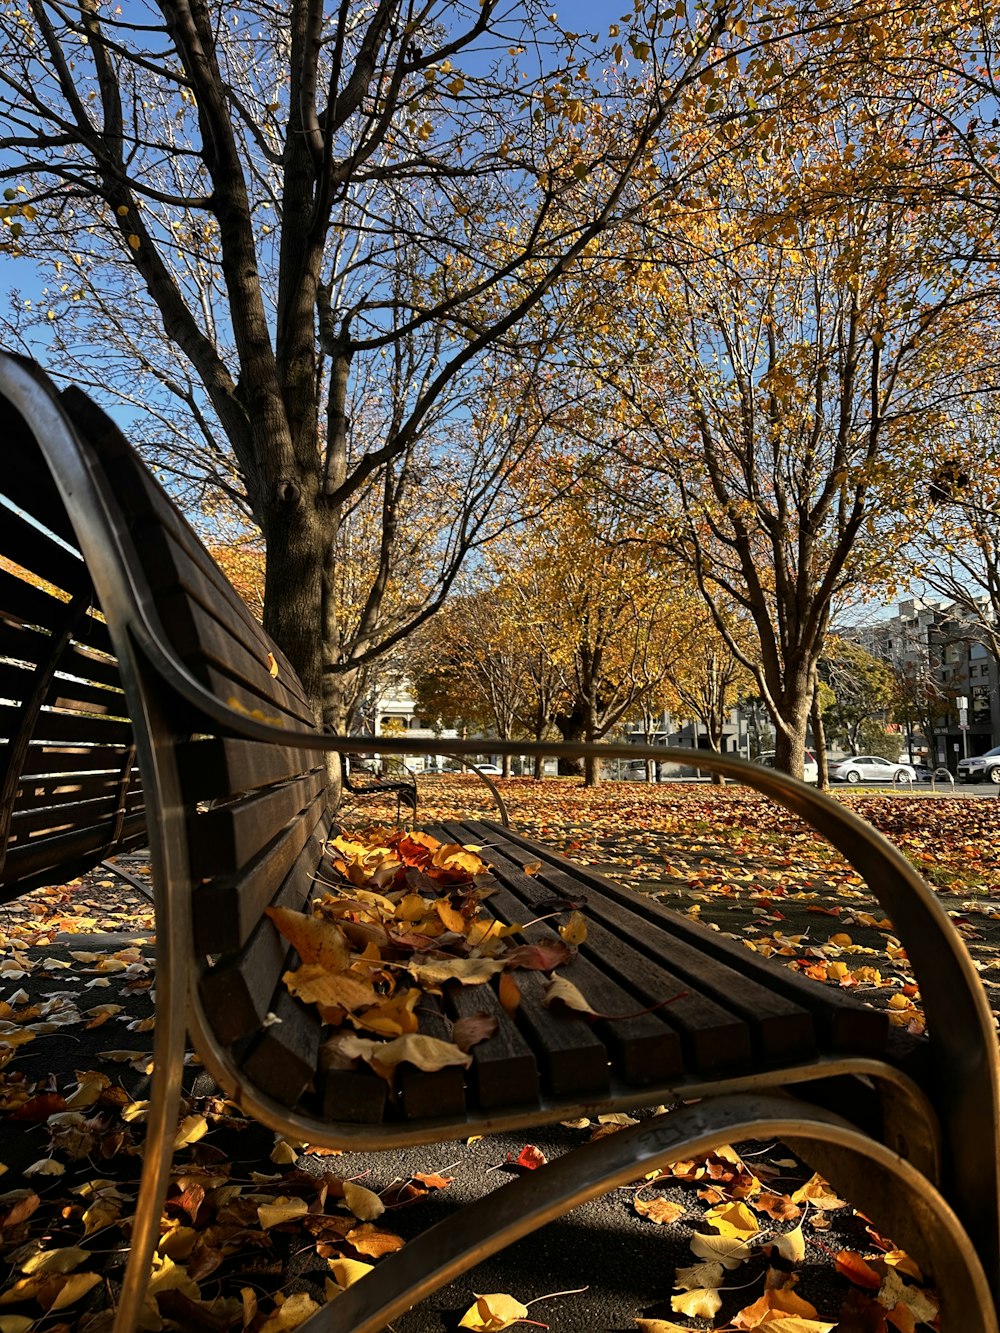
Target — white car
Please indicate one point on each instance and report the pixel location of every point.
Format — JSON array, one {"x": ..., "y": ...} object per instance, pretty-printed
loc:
[
  {"x": 981, "y": 767},
  {"x": 810, "y": 768},
  {"x": 871, "y": 768},
  {"x": 491, "y": 770}
]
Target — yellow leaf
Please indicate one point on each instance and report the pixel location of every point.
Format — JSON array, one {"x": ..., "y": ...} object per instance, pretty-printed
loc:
[
  {"x": 698, "y": 1275},
  {"x": 703, "y": 1302},
  {"x": 75, "y": 1286},
  {"x": 725, "y": 1250},
  {"x": 392, "y": 1018},
  {"x": 293, "y": 1311},
  {"x": 469, "y": 971},
  {"x": 101, "y": 1213},
  {"x": 374, "y": 1242},
  {"x": 56, "y": 1261},
  {"x": 48, "y": 1166},
  {"x": 190, "y": 1130},
  {"x": 792, "y": 1245},
  {"x": 427, "y": 1053},
  {"x": 15, "y": 1323},
  {"x": 819, "y": 1194},
  {"x": 364, "y": 1204},
  {"x": 315, "y": 985},
  {"x": 659, "y": 1326},
  {"x": 492, "y": 1313},
  {"x": 283, "y": 1154},
  {"x": 348, "y": 1271},
  {"x": 314, "y": 939},
  {"x": 733, "y": 1219},
  {"x": 564, "y": 992},
  {"x": 134, "y": 241},
  {"x": 574, "y": 932},
  {"x": 281, "y": 1210},
  {"x": 272, "y": 665}
]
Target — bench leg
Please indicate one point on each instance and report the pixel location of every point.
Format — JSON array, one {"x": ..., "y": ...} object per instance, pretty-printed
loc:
[
  {"x": 452, "y": 1247},
  {"x": 169, "y": 1045}
]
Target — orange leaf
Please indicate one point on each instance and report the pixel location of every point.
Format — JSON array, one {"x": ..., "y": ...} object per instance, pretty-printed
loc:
[{"x": 851, "y": 1265}]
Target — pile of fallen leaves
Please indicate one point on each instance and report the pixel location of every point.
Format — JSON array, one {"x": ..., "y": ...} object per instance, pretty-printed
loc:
[
  {"x": 747, "y": 1232},
  {"x": 408, "y": 918}
]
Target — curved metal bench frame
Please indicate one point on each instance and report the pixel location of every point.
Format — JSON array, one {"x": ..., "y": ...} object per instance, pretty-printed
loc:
[{"x": 961, "y": 1029}]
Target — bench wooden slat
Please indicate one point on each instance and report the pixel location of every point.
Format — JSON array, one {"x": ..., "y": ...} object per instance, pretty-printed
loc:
[
  {"x": 782, "y": 1029},
  {"x": 60, "y": 760},
  {"x": 16, "y": 683},
  {"x": 66, "y": 790},
  {"x": 438, "y": 1093},
  {"x": 227, "y": 910},
  {"x": 217, "y": 765},
  {"x": 231, "y": 835},
  {"x": 60, "y": 818},
  {"x": 28, "y": 483},
  {"x": 844, "y": 1024},
  {"x": 237, "y": 990},
  {"x": 183, "y": 566},
  {"x": 58, "y": 859},
  {"x": 283, "y": 1059},
  {"x": 714, "y": 1038},
  {"x": 203, "y": 644},
  {"x": 78, "y": 727},
  {"x": 30, "y": 645},
  {"x": 504, "y": 1071},
  {"x": 39, "y": 554},
  {"x": 643, "y": 1048}
]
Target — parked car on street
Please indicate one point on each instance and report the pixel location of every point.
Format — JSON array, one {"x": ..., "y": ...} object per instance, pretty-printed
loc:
[
  {"x": 871, "y": 768},
  {"x": 981, "y": 767},
  {"x": 810, "y": 768},
  {"x": 492, "y": 770}
]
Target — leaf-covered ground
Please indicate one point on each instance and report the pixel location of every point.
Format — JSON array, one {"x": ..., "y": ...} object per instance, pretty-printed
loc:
[{"x": 259, "y": 1233}]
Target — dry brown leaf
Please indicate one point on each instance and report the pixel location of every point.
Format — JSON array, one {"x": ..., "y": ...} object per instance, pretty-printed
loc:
[
  {"x": 373, "y": 1242},
  {"x": 659, "y": 1210},
  {"x": 473, "y": 1029}
]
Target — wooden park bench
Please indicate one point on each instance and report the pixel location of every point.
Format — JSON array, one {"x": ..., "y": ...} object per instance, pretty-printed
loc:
[{"x": 138, "y": 701}]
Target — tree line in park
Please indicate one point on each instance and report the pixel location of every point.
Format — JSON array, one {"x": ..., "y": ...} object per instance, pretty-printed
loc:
[{"x": 697, "y": 309}]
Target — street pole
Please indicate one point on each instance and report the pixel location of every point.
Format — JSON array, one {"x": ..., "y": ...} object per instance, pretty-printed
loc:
[{"x": 962, "y": 704}]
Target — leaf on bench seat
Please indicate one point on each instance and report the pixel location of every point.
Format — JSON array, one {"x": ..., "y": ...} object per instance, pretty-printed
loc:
[
  {"x": 316, "y": 940},
  {"x": 427, "y": 1053}
]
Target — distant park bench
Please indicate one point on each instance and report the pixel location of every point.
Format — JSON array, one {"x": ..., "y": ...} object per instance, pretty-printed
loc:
[{"x": 139, "y": 702}]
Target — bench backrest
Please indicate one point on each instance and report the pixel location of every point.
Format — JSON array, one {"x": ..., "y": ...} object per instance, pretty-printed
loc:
[{"x": 70, "y": 786}]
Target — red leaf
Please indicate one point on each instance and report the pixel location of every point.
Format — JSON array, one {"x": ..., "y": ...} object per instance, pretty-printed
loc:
[
  {"x": 539, "y": 957},
  {"x": 531, "y": 1157}
]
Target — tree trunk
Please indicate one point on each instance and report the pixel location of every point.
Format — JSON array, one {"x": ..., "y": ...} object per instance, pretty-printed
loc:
[
  {"x": 572, "y": 727},
  {"x": 819, "y": 741}
]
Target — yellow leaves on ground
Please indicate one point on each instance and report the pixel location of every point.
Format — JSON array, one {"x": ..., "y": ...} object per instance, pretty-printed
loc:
[
  {"x": 281, "y": 1210},
  {"x": 363, "y": 1203},
  {"x": 733, "y": 1220},
  {"x": 725, "y": 1250},
  {"x": 818, "y": 1193},
  {"x": 489, "y": 1314}
]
